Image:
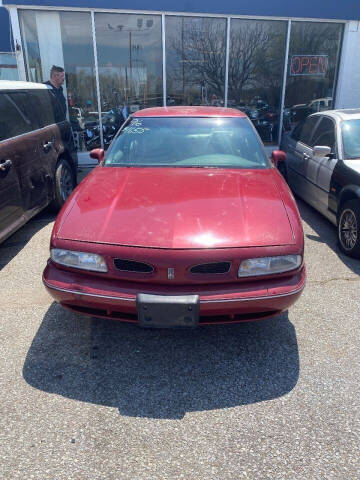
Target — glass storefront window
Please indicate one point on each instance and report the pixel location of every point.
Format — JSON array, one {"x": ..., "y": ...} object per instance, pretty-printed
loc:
[
  {"x": 64, "y": 39},
  {"x": 256, "y": 65},
  {"x": 78, "y": 52},
  {"x": 30, "y": 42},
  {"x": 129, "y": 50},
  {"x": 195, "y": 60},
  {"x": 8, "y": 67},
  {"x": 314, "y": 52}
]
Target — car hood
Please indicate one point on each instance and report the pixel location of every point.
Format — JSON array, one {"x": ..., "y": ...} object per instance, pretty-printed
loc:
[{"x": 177, "y": 208}]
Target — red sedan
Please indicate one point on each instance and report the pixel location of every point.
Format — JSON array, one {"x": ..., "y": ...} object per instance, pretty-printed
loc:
[{"x": 185, "y": 222}]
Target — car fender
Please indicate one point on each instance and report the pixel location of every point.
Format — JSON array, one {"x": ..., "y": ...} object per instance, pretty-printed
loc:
[{"x": 348, "y": 193}]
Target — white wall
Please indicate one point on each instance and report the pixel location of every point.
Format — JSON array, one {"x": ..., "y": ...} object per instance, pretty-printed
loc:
[{"x": 348, "y": 89}]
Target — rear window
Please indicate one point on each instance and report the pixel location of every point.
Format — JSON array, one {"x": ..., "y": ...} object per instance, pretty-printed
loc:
[
  {"x": 14, "y": 119},
  {"x": 220, "y": 142},
  {"x": 295, "y": 135}
]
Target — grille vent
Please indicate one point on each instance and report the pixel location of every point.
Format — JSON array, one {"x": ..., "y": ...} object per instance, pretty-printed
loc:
[
  {"x": 132, "y": 266},
  {"x": 208, "y": 268}
]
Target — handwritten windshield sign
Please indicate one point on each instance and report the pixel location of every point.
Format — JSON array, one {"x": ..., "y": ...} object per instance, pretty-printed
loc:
[{"x": 308, "y": 65}]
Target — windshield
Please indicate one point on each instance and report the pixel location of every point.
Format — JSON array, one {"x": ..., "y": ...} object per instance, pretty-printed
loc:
[
  {"x": 222, "y": 142},
  {"x": 351, "y": 138}
]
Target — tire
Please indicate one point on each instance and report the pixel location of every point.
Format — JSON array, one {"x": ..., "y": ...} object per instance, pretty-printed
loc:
[
  {"x": 64, "y": 184},
  {"x": 349, "y": 228}
]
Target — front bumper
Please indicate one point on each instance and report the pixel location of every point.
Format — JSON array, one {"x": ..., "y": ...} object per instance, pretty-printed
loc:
[{"x": 234, "y": 303}]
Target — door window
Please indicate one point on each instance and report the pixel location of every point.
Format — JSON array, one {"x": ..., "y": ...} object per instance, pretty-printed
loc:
[
  {"x": 45, "y": 111},
  {"x": 29, "y": 106},
  {"x": 324, "y": 134},
  {"x": 308, "y": 129},
  {"x": 295, "y": 135},
  {"x": 40, "y": 106},
  {"x": 14, "y": 120}
]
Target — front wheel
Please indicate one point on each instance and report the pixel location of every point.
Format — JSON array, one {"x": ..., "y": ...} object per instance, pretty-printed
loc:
[
  {"x": 349, "y": 228},
  {"x": 64, "y": 184}
]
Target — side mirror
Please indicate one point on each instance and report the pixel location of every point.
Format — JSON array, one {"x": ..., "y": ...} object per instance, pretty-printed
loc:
[
  {"x": 98, "y": 154},
  {"x": 278, "y": 156},
  {"x": 321, "y": 151}
]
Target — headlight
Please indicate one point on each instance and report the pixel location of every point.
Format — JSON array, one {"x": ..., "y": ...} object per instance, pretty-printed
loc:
[
  {"x": 269, "y": 265},
  {"x": 85, "y": 261}
]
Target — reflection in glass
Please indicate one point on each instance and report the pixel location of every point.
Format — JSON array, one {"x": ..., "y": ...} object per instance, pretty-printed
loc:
[
  {"x": 30, "y": 43},
  {"x": 195, "y": 60},
  {"x": 80, "y": 78},
  {"x": 256, "y": 64},
  {"x": 129, "y": 52},
  {"x": 205, "y": 142},
  {"x": 8, "y": 67},
  {"x": 64, "y": 39},
  {"x": 351, "y": 138},
  {"x": 313, "y": 60}
]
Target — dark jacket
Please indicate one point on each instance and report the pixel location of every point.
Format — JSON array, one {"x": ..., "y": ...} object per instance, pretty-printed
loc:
[{"x": 59, "y": 94}]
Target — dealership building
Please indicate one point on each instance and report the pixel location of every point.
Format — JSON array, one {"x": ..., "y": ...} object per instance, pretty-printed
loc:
[{"x": 277, "y": 61}]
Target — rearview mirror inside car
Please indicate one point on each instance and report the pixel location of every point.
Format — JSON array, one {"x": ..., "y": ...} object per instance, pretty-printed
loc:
[
  {"x": 321, "y": 151},
  {"x": 278, "y": 156},
  {"x": 98, "y": 154}
]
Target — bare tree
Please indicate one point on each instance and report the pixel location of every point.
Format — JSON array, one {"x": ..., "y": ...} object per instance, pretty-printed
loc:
[
  {"x": 197, "y": 54},
  {"x": 246, "y": 44}
]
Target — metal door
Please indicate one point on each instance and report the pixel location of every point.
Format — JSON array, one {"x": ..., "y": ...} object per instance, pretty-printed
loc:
[
  {"x": 29, "y": 153},
  {"x": 303, "y": 154},
  {"x": 319, "y": 170}
]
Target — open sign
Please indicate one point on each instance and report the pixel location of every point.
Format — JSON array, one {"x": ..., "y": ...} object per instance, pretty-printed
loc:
[{"x": 309, "y": 65}]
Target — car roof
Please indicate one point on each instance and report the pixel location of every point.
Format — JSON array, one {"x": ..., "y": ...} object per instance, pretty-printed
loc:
[
  {"x": 342, "y": 114},
  {"x": 17, "y": 85},
  {"x": 188, "y": 111}
]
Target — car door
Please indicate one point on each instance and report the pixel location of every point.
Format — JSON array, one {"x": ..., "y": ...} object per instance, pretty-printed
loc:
[
  {"x": 11, "y": 209},
  {"x": 29, "y": 155},
  {"x": 49, "y": 136},
  {"x": 12, "y": 125},
  {"x": 320, "y": 170},
  {"x": 288, "y": 145},
  {"x": 302, "y": 154}
]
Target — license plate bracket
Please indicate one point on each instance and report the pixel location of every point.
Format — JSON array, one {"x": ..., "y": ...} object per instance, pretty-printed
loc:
[{"x": 168, "y": 311}]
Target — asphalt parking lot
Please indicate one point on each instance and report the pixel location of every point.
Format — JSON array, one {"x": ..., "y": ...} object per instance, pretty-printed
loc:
[{"x": 92, "y": 399}]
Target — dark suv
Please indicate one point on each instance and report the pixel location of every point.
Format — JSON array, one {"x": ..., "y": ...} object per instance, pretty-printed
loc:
[{"x": 38, "y": 163}]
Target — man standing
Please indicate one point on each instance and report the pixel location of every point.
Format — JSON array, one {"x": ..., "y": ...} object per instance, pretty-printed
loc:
[{"x": 57, "y": 78}]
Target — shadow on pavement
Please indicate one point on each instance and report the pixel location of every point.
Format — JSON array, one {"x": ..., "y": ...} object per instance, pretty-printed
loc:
[
  {"x": 18, "y": 240},
  {"x": 162, "y": 373},
  {"x": 326, "y": 233}
]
